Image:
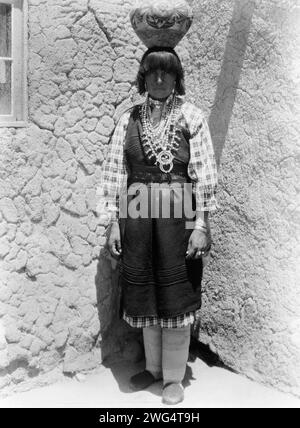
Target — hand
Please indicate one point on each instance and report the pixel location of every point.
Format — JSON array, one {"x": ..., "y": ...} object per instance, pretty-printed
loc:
[
  {"x": 114, "y": 241},
  {"x": 199, "y": 245}
]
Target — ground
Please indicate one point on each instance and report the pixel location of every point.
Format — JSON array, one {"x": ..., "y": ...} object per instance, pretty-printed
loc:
[{"x": 207, "y": 386}]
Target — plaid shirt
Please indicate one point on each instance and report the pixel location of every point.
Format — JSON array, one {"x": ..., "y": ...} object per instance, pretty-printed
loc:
[{"x": 202, "y": 168}]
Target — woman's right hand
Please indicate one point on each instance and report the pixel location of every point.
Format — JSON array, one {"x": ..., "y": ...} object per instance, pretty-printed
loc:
[{"x": 114, "y": 241}]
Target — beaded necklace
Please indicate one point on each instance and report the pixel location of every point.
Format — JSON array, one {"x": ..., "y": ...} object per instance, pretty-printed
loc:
[{"x": 160, "y": 142}]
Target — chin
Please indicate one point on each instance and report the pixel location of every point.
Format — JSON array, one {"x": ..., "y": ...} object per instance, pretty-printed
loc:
[{"x": 161, "y": 95}]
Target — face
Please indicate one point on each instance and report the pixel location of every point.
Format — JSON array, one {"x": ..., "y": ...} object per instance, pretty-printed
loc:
[{"x": 160, "y": 84}]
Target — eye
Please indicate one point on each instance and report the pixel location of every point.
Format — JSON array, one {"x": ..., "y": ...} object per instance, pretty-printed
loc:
[{"x": 161, "y": 74}]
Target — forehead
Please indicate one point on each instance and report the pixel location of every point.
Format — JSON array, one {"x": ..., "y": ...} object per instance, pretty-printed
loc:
[{"x": 160, "y": 71}]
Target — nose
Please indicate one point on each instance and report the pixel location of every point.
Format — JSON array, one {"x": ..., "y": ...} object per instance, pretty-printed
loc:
[{"x": 159, "y": 77}]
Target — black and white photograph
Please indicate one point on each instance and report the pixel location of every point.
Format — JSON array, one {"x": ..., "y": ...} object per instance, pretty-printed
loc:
[{"x": 149, "y": 207}]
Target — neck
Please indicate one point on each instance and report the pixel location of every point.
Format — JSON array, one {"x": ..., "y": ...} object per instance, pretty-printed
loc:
[{"x": 161, "y": 101}]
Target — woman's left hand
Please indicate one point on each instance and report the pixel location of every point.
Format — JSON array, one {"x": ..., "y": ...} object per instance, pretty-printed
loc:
[{"x": 199, "y": 245}]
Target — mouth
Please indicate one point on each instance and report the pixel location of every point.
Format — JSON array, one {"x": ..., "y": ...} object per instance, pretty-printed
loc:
[{"x": 161, "y": 88}]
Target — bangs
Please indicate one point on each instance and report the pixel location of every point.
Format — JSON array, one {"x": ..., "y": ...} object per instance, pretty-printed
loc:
[{"x": 164, "y": 60}]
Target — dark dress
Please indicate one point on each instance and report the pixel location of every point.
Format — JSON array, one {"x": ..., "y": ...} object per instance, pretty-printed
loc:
[{"x": 156, "y": 278}]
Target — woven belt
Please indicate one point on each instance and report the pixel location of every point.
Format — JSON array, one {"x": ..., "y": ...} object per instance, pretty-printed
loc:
[{"x": 152, "y": 174}]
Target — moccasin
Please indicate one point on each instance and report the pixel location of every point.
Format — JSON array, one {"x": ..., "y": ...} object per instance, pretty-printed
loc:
[
  {"x": 173, "y": 393},
  {"x": 142, "y": 381}
]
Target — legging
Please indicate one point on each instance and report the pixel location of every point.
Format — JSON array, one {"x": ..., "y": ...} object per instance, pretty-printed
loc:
[{"x": 166, "y": 352}]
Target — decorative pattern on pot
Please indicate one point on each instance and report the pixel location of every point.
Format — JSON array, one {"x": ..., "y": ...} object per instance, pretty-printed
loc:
[{"x": 161, "y": 23}]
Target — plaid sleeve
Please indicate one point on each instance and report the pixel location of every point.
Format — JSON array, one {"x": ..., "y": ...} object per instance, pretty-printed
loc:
[
  {"x": 202, "y": 166},
  {"x": 114, "y": 173}
]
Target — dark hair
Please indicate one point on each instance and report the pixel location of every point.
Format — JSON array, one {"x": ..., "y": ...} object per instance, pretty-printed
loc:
[{"x": 165, "y": 59}]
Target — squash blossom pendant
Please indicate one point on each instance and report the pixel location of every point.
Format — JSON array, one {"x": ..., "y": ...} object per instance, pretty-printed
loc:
[{"x": 165, "y": 161}]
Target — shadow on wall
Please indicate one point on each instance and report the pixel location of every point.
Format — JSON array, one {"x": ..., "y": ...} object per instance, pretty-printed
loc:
[
  {"x": 118, "y": 340},
  {"x": 228, "y": 82}
]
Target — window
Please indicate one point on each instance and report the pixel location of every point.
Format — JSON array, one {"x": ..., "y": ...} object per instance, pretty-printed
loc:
[{"x": 13, "y": 108}]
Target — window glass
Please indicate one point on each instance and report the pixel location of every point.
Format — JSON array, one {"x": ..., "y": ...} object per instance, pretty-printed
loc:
[
  {"x": 5, "y": 30},
  {"x": 5, "y": 87},
  {"x": 13, "y": 39},
  {"x": 5, "y": 59}
]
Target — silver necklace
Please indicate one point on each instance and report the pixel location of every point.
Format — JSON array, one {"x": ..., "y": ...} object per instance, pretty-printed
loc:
[{"x": 160, "y": 142}]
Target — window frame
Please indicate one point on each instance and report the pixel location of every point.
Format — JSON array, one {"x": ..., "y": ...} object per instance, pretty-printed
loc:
[{"x": 19, "y": 114}]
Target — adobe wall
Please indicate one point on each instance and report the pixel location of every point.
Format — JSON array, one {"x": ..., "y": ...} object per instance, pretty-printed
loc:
[{"x": 58, "y": 289}]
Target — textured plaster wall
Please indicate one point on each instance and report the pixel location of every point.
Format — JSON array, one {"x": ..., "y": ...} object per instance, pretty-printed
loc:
[
  {"x": 245, "y": 62},
  {"x": 58, "y": 291},
  {"x": 58, "y": 309}
]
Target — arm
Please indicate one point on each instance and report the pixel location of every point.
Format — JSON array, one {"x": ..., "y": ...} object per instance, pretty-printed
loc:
[
  {"x": 203, "y": 172},
  {"x": 114, "y": 170},
  {"x": 203, "y": 168},
  {"x": 113, "y": 178}
]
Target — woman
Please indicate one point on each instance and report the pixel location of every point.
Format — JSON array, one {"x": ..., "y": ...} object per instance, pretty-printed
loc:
[{"x": 162, "y": 144}]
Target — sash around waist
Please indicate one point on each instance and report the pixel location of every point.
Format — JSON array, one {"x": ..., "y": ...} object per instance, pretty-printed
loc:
[{"x": 152, "y": 174}]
